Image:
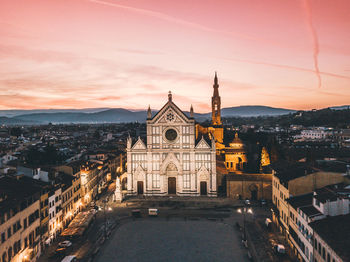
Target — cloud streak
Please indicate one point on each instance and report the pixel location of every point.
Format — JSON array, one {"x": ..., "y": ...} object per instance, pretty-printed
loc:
[
  {"x": 193, "y": 25},
  {"x": 301, "y": 69},
  {"x": 316, "y": 48}
]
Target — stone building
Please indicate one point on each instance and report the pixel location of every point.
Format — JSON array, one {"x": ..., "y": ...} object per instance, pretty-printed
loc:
[
  {"x": 20, "y": 219},
  {"x": 294, "y": 180},
  {"x": 235, "y": 155},
  {"x": 249, "y": 186},
  {"x": 172, "y": 161}
]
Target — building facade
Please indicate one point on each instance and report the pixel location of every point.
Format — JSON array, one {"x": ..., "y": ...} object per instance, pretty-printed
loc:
[
  {"x": 55, "y": 213},
  {"x": 19, "y": 220},
  {"x": 172, "y": 161}
]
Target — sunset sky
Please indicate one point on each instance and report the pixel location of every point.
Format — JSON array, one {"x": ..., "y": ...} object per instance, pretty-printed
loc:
[{"x": 130, "y": 53}]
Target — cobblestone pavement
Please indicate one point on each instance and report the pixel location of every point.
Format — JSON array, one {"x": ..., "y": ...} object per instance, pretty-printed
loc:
[{"x": 157, "y": 239}]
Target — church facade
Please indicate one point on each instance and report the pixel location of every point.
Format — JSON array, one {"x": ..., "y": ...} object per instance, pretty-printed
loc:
[{"x": 172, "y": 161}]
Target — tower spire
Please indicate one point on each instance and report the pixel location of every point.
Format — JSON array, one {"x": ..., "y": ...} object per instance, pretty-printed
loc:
[
  {"x": 191, "y": 111},
  {"x": 216, "y": 103}
]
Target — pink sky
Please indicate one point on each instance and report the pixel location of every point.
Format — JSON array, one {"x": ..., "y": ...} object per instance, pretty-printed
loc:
[{"x": 130, "y": 53}]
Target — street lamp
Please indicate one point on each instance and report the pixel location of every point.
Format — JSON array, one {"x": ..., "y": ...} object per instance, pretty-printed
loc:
[
  {"x": 243, "y": 211},
  {"x": 104, "y": 201}
]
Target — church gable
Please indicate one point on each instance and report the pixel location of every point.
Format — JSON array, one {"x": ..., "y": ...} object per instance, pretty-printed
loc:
[
  {"x": 202, "y": 144},
  {"x": 139, "y": 145},
  {"x": 170, "y": 113}
]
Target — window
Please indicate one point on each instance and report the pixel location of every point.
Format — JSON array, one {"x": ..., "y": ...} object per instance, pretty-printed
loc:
[
  {"x": 185, "y": 139},
  {"x": 187, "y": 180},
  {"x": 155, "y": 163},
  {"x": 155, "y": 139},
  {"x": 203, "y": 159},
  {"x": 317, "y": 202},
  {"x": 186, "y": 162},
  {"x": 185, "y": 129},
  {"x": 156, "y": 181},
  {"x": 138, "y": 159},
  {"x": 8, "y": 232},
  {"x": 3, "y": 237},
  {"x": 155, "y": 129},
  {"x": 323, "y": 253},
  {"x": 9, "y": 253}
]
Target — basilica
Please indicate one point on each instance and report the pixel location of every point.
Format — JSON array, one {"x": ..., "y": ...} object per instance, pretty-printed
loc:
[
  {"x": 173, "y": 160},
  {"x": 183, "y": 158}
]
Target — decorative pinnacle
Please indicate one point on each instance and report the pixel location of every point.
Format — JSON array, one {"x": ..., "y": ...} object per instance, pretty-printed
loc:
[
  {"x": 149, "y": 112},
  {"x": 170, "y": 96},
  {"x": 191, "y": 111}
]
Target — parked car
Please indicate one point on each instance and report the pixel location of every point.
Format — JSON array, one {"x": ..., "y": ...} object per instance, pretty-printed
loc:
[
  {"x": 136, "y": 213},
  {"x": 263, "y": 202},
  {"x": 153, "y": 212},
  {"x": 268, "y": 223},
  {"x": 65, "y": 243},
  {"x": 279, "y": 249}
]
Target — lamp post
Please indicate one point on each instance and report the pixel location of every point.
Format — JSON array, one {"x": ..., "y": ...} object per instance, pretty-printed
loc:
[
  {"x": 243, "y": 211},
  {"x": 104, "y": 213}
]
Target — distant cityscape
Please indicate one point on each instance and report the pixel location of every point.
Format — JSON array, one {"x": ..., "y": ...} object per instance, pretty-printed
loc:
[{"x": 58, "y": 181}]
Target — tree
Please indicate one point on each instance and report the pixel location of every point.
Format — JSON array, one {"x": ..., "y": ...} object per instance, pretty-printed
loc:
[{"x": 265, "y": 158}]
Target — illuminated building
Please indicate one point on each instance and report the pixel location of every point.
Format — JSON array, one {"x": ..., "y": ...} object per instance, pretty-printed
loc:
[{"x": 173, "y": 161}]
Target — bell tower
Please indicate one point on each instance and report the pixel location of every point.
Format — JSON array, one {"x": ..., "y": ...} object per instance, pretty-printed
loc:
[{"x": 216, "y": 104}]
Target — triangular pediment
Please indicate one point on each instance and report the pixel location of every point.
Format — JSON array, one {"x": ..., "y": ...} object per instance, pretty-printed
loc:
[
  {"x": 162, "y": 120},
  {"x": 203, "y": 173},
  {"x": 170, "y": 158},
  {"x": 139, "y": 169},
  {"x": 202, "y": 144},
  {"x": 139, "y": 144},
  {"x": 170, "y": 113}
]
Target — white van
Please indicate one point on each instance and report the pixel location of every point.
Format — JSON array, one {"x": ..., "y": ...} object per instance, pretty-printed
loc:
[
  {"x": 268, "y": 223},
  {"x": 70, "y": 259},
  {"x": 153, "y": 212}
]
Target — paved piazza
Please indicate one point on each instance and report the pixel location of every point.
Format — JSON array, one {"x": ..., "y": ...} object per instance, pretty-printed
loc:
[{"x": 160, "y": 240}]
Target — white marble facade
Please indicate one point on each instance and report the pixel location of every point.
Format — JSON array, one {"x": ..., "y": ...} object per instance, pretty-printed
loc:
[{"x": 172, "y": 162}]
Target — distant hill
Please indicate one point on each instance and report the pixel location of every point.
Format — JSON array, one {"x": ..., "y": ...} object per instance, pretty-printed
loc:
[
  {"x": 119, "y": 115},
  {"x": 340, "y": 107},
  {"x": 17, "y": 112},
  {"x": 248, "y": 111},
  {"x": 12, "y": 121}
]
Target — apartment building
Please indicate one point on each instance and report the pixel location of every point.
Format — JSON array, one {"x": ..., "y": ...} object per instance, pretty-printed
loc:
[
  {"x": 19, "y": 219},
  {"x": 306, "y": 234},
  {"x": 301, "y": 213},
  {"x": 55, "y": 213},
  {"x": 291, "y": 180},
  {"x": 331, "y": 239}
]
